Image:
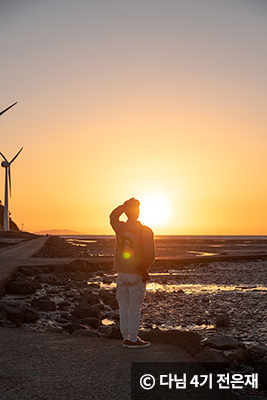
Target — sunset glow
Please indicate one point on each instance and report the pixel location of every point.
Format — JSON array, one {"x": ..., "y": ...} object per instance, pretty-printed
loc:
[
  {"x": 155, "y": 210},
  {"x": 162, "y": 101}
]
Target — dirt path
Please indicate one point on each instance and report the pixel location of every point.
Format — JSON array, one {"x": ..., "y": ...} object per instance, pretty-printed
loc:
[
  {"x": 50, "y": 366},
  {"x": 14, "y": 256},
  {"x": 53, "y": 366}
]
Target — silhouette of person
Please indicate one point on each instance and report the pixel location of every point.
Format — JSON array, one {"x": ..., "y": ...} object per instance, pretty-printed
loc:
[{"x": 134, "y": 253}]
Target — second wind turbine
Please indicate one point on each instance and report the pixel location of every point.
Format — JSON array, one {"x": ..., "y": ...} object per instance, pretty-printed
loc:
[{"x": 5, "y": 164}]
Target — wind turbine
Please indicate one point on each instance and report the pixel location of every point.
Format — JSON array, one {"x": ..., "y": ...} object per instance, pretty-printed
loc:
[
  {"x": 5, "y": 164},
  {"x": 2, "y": 112}
]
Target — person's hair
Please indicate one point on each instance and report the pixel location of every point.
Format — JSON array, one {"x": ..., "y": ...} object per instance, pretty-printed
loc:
[{"x": 131, "y": 208}]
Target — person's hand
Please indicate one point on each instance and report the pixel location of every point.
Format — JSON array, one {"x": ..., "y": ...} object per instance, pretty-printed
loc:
[{"x": 128, "y": 202}]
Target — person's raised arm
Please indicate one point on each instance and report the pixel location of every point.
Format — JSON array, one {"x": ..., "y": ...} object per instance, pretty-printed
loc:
[{"x": 115, "y": 217}]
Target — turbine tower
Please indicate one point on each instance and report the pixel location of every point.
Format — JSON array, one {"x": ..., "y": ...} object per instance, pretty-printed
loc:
[{"x": 5, "y": 164}]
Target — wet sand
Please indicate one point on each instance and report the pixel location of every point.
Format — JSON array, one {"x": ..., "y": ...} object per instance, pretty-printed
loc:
[{"x": 192, "y": 296}]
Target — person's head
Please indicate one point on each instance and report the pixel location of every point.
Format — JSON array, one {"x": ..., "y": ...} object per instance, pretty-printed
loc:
[{"x": 131, "y": 208}]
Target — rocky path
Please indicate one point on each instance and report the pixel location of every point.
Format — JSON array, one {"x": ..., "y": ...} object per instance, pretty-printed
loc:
[
  {"x": 15, "y": 256},
  {"x": 12, "y": 257}
]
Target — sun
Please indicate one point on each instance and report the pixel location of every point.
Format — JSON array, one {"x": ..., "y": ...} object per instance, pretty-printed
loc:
[{"x": 154, "y": 210}]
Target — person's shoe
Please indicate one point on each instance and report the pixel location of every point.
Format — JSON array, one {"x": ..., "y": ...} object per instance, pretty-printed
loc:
[
  {"x": 138, "y": 344},
  {"x": 125, "y": 342}
]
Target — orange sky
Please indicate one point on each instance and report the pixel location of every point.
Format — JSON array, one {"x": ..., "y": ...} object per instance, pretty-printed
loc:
[{"x": 121, "y": 99}]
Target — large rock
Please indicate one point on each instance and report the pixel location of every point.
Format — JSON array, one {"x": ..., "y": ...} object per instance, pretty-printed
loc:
[
  {"x": 78, "y": 265},
  {"x": 239, "y": 355},
  {"x": 63, "y": 305},
  {"x": 256, "y": 352},
  {"x": 189, "y": 341},
  {"x": 13, "y": 311},
  {"x": 212, "y": 359},
  {"x": 43, "y": 304},
  {"x": 51, "y": 279},
  {"x": 30, "y": 315},
  {"x": 85, "y": 311},
  {"x": 89, "y": 298},
  {"x": 221, "y": 342},
  {"x": 21, "y": 286}
]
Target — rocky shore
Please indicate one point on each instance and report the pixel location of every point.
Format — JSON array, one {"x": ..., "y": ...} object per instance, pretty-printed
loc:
[{"x": 215, "y": 311}]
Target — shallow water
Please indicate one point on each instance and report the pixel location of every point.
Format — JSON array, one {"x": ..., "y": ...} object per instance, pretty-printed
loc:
[
  {"x": 188, "y": 288},
  {"x": 197, "y": 288},
  {"x": 171, "y": 247}
]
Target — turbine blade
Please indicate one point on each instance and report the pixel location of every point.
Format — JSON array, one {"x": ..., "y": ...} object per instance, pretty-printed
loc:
[
  {"x": 2, "y": 112},
  {"x": 9, "y": 178},
  {"x": 4, "y": 157},
  {"x": 15, "y": 156}
]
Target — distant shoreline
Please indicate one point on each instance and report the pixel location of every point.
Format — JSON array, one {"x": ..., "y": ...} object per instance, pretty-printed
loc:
[{"x": 60, "y": 232}]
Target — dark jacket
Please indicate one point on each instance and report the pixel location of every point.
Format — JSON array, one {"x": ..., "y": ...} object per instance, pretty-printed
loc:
[{"x": 135, "y": 250}]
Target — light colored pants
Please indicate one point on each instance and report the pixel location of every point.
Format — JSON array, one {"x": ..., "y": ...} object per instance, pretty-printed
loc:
[{"x": 130, "y": 295}]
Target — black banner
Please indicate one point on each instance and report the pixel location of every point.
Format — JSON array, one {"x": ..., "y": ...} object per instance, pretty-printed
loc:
[{"x": 220, "y": 381}]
